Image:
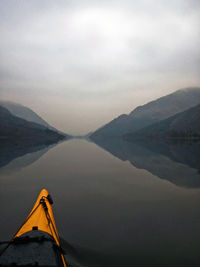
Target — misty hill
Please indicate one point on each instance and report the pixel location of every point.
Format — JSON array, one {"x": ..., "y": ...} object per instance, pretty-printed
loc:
[
  {"x": 26, "y": 113},
  {"x": 178, "y": 163},
  {"x": 16, "y": 130},
  {"x": 182, "y": 125},
  {"x": 23, "y": 112},
  {"x": 150, "y": 113}
]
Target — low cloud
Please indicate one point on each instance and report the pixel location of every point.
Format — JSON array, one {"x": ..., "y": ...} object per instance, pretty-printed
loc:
[{"x": 87, "y": 51}]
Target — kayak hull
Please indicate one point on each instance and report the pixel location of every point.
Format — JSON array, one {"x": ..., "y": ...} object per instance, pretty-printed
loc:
[{"x": 36, "y": 243}]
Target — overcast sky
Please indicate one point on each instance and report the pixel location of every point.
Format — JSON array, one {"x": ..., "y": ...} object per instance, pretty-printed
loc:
[{"x": 80, "y": 63}]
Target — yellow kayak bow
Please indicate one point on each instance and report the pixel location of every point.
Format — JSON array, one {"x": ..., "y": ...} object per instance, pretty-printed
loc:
[{"x": 37, "y": 236}]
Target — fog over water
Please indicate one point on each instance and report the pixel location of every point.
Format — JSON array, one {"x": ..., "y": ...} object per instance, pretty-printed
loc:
[{"x": 80, "y": 63}]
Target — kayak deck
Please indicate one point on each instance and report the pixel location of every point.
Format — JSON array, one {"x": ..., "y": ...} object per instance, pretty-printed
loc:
[
  {"x": 36, "y": 249},
  {"x": 36, "y": 243}
]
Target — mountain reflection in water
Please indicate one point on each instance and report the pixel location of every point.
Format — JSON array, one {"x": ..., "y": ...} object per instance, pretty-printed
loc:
[
  {"x": 177, "y": 161},
  {"x": 108, "y": 212},
  {"x": 14, "y": 157}
]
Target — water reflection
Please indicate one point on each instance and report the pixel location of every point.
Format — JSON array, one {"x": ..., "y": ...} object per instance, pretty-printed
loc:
[
  {"x": 108, "y": 212},
  {"x": 177, "y": 162},
  {"x": 14, "y": 157}
]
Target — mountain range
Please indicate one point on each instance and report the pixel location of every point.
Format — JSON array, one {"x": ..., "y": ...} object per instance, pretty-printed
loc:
[
  {"x": 174, "y": 115},
  {"x": 26, "y": 113},
  {"x": 20, "y": 131},
  {"x": 150, "y": 113},
  {"x": 182, "y": 125},
  {"x": 23, "y": 112}
]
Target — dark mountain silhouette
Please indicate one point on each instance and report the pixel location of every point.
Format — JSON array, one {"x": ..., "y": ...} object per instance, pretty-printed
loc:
[
  {"x": 183, "y": 125},
  {"x": 177, "y": 162},
  {"x": 150, "y": 113},
  {"x": 23, "y": 112},
  {"x": 19, "y": 131},
  {"x": 26, "y": 113}
]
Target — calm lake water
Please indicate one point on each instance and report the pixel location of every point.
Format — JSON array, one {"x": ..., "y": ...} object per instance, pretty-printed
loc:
[{"x": 115, "y": 203}]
